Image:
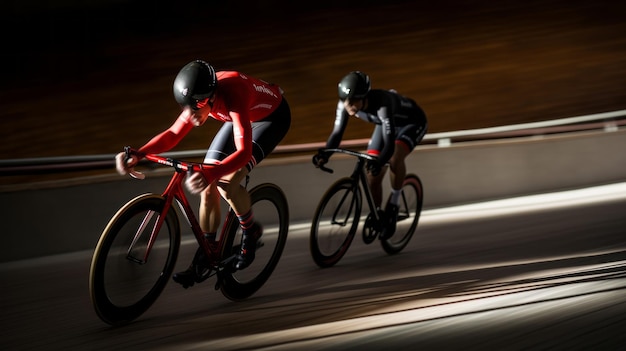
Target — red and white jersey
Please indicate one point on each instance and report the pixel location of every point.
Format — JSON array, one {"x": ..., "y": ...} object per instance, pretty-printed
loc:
[
  {"x": 239, "y": 99},
  {"x": 238, "y": 94}
]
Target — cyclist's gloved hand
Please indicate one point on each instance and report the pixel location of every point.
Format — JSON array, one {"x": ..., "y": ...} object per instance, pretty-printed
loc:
[
  {"x": 373, "y": 167},
  {"x": 196, "y": 182},
  {"x": 321, "y": 158},
  {"x": 124, "y": 166}
]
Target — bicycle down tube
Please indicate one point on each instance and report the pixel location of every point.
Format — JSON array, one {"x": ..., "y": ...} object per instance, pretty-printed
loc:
[{"x": 174, "y": 191}]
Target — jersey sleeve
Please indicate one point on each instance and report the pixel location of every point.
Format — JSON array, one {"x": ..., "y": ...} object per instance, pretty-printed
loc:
[
  {"x": 389, "y": 134},
  {"x": 169, "y": 138},
  {"x": 242, "y": 134},
  {"x": 238, "y": 97},
  {"x": 341, "y": 121}
]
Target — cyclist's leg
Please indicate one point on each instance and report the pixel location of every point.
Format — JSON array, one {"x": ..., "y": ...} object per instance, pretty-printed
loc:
[
  {"x": 397, "y": 165},
  {"x": 397, "y": 172},
  {"x": 376, "y": 186},
  {"x": 266, "y": 134},
  {"x": 209, "y": 213},
  {"x": 232, "y": 190},
  {"x": 237, "y": 196},
  {"x": 209, "y": 220},
  {"x": 407, "y": 137},
  {"x": 374, "y": 148}
]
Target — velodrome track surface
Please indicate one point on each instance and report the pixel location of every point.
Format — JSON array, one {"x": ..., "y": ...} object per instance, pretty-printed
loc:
[{"x": 541, "y": 273}]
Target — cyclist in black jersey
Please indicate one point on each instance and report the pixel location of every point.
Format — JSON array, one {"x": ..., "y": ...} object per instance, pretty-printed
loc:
[{"x": 400, "y": 124}]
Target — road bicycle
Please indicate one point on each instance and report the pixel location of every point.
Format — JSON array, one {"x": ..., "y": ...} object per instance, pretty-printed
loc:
[
  {"x": 137, "y": 251},
  {"x": 338, "y": 214}
]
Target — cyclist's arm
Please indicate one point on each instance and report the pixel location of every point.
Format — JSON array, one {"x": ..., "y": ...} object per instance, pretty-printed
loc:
[
  {"x": 242, "y": 134},
  {"x": 389, "y": 135},
  {"x": 169, "y": 138},
  {"x": 341, "y": 121}
]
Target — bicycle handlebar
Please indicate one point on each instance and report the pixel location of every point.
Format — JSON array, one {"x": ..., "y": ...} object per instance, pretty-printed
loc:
[
  {"x": 356, "y": 154},
  {"x": 351, "y": 153},
  {"x": 178, "y": 165}
]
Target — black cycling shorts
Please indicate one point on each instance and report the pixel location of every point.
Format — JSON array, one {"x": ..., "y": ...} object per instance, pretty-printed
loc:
[
  {"x": 266, "y": 134},
  {"x": 410, "y": 135}
]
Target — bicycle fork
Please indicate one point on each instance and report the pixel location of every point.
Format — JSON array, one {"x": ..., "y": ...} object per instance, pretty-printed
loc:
[{"x": 143, "y": 229}]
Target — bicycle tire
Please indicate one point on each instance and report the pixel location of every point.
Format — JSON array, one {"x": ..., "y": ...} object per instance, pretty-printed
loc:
[
  {"x": 271, "y": 210},
  {"x": 122, "y": 289},
  {"x": 410, "y": 204},
  {"x": 335, "y": 222}
]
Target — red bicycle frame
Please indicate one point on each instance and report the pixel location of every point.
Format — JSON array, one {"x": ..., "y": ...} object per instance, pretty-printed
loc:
[{"x": 174, "y": 191}]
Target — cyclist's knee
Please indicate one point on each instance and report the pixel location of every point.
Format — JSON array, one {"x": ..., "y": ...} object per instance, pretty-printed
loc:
[
  {"x": 230, "y": 185},
  {"x": 225, "y": 189},
  {"x": 396, "y": 163},
  {"x": 400, "y": 153},
  {"x": 397, "y": 160},
  {"x": 210, "y": 193}
]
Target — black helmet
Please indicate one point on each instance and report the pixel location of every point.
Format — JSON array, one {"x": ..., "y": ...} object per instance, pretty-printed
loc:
[
  {"x": 355, "y": 85},
  {"x": 196, "y": 81}
]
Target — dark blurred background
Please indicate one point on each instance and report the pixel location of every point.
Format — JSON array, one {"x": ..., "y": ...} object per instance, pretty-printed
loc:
[{"x": 81, "y": 78}]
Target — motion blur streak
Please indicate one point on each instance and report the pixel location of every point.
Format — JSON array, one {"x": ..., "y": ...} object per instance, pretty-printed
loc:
[{"x": 525, "y": 204}]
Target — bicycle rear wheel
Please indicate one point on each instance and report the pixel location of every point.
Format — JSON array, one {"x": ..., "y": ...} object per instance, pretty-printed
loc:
[
  {"x": 125, "y": 280},
  {"x": 410, "y": 205},
  {"x": 271, "y": 210},
  {"x": 335, "y": 222}
]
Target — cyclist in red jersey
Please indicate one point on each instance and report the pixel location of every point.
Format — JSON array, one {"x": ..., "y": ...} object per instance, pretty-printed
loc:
[
  {"x": 256, "y": 117},
  {"x": 400, "y": 125}
]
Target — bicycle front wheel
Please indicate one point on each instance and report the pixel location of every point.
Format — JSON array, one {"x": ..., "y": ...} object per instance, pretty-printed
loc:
[
  {"x": 128, "y": 270},
  {"x": 335, "y": 222},
  {"x": 410, "y": 204},
  {"x": 271, "y": 210}
]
